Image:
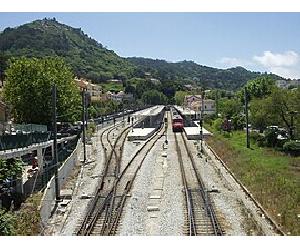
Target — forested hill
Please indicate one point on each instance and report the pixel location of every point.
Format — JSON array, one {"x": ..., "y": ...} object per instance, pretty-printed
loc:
[
  {"x": 48, "y": 37},
  {"x": 90, "y": 59},
  {"x": 190, "y": 72}
]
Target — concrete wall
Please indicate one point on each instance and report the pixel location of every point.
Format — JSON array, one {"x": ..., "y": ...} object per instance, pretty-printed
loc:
[{"x": 48, "y": 200}]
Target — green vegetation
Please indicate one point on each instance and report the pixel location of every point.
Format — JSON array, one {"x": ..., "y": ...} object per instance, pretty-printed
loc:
[
  {"x": 270, "y": 169},
  {"x": 271, "y": 176},
  {"x": 7, "y": 221},
  {"x": 90, "y": 59},
  {"x": 113, "y": 87},
  {"x": 188, "y": 72},
  {"x": 10, "y": 168},
  {"x": 28, "y": 90},
  {"x": 24, "y": 222},
  {"x": 154, "y": 97},
  {"x": 47, "y": 37},
  {"x": 103, "y": 107},
  {"x": 292, "y": 147}
]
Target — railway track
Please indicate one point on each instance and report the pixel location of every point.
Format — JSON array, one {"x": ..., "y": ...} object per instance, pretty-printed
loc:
[
  {"x": 200, "y": 216},
  {"x": 112, "y": 160},
  {"x": 106, "y": 208}
]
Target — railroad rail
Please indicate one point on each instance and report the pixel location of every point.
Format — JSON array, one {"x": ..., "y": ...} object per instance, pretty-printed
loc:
[
  {"x": 201, "y": 218},
  {"x": 102, "y": 195},
  {"x": 106, "y": 208}
]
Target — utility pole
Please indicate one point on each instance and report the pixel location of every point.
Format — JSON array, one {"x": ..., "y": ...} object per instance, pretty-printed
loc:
[
  {"x": 201, "y": 119},
  {"x": 247, "y": 120},
  {"x": 83, "y": 124},
  {"x": 55, "y": 156},
  {"x": 86, "y": 110},
  {"x": 217, "y": 102},
  {"x": 123, "y": 112}
]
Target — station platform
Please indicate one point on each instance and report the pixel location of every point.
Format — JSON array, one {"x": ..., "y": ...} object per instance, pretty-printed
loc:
[
  {"x": 193, "y": 133},
  {"x": 153, "y": 111},
  {"x": 140, "y": 134}
]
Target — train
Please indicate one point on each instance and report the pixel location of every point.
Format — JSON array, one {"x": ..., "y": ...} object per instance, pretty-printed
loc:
[{"x": 177, "y": 121}]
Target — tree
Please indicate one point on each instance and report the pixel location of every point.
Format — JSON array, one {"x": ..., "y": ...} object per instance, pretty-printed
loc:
[
  {"x": 3, "y": 66},
  {"x": 28, "y": 90},
  {"x": 260, "y": 118},
  {"x": 154, "y": 97},
  {"x": 179, "y": 97},
  {"x": 276, "y": 109},
  {"x": 230, "y": 107},
  {"x": 260, "y": 87}
]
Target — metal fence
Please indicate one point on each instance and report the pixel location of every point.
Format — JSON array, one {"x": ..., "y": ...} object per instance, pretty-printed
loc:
[
  {"x": 22, "y": 140},
  {"x": 30, "y": 127}
]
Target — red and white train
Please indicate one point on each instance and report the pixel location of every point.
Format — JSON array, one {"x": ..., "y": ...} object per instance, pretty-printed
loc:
[{"x": 177, "y": 123}]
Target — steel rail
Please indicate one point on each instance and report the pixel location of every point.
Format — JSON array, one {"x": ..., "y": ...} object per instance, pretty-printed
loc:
[
  {"x": 205, "y": 196},
  {"x": 83, "y": 229},
  {"x": 188, "y": 200},
  {"x": 129, "y": 184}
]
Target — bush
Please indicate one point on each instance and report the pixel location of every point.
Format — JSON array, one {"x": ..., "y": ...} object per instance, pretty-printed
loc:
[
  {"x": 7, "y": 221},
  {"x": 258, "y": 138},
  {"x": 217, "y": 124},
  {"x": 292, "y": 147},
  {"x": 270, "y": 138}
]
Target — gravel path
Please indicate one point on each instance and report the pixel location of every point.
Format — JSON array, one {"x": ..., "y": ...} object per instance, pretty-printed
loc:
[{"x": 155, "y": 206}]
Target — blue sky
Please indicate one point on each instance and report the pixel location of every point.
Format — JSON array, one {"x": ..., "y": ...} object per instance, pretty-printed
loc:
[{"x": 256, "y": 41}]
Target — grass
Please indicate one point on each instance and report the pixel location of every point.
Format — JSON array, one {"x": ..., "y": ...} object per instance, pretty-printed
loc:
[
  {"x": 112, "y": 87},
  {"x": 271, "y": 176}
]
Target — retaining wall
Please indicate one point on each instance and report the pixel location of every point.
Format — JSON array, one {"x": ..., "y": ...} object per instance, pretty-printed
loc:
[{"x": 48, "y": 200}]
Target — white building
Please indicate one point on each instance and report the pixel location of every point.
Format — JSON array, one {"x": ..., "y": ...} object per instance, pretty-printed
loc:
[{"x": 194, "y": 102}]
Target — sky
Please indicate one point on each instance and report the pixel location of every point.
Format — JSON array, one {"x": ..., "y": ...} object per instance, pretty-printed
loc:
[{"x": 257, "y": 41}]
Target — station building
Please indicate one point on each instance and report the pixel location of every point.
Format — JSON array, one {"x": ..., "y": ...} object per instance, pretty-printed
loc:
[{"x": 194, "y": 102}]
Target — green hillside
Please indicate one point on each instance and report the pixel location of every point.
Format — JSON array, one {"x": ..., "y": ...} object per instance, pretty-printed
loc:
[
  {"x": 190, "y": 72},
  {"x": 47, "y": 37},
  {"x": 90, "y": 59}
]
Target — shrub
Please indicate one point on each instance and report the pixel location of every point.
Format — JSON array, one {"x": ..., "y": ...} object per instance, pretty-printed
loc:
[
  {"x": 217, "y": 124},
  {"x": 270, "y": 138},
  {"x": 258, "y": 138},
  {"x": 7, "y": 221},
  {"x": 292, "y": 147}
]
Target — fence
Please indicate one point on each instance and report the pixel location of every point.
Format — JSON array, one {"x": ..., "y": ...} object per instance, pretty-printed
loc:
[
  {"x": 22, "y": 140},
  {"x": 48, "y": 201}
]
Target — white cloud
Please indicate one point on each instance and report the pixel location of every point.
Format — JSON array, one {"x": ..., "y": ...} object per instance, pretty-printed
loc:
[
  {"x": 286, "y": 64},
  {"x": 269, "y": 59}
]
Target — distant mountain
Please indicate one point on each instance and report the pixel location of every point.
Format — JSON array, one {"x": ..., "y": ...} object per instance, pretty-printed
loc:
[
  {"x": 190, "y": 72},
  {"x": 47, "y": 37},
  {"x": 90, "y": 59}
]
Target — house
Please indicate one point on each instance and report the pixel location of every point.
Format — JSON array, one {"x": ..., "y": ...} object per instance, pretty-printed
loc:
[
  {"x": 194, "y": 102},
  {"x": 119, "y": 96},
  {"x": 94, "y": 91},
  {"x": 287, "y": 83}
]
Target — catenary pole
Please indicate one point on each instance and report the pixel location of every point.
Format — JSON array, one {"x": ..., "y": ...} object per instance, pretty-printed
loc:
[
  {"x": 55, "y": 156},
  {"x": 83, "y": 124},
  {"x": 247, "y": 119},
  {"x": 201, "y": 119}
]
